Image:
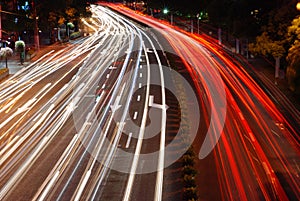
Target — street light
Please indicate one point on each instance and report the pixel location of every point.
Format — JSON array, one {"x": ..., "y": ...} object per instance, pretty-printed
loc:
[
  {"x": 298, "y": 6},
  {"x": 165, "y": 11}
]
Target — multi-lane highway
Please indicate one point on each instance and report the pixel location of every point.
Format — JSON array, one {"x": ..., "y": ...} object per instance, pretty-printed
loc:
[
  {"x": 105, "y": 118},
  {"x": 78, "y": 117}
]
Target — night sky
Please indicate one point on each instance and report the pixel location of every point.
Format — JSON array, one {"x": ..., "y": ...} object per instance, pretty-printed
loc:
[{"x": 196, "y": 5}]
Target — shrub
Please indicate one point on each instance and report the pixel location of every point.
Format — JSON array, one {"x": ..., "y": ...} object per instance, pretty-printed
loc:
[
  {"x": 6, "y": 52},
  {"x": 189, "y": 170},
  {"x": 189, "y": 181},
  {"x": 20, "y": 46},
  {"x": 190, "y": 194},
  {"x": 188, "y": 160},
  {"x": 75, "y": 35}
]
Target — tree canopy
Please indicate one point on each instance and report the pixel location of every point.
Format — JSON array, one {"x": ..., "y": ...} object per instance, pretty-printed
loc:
[
  {"x": 280, "y": 38},
  {"x": 293, "y": 57},
  {"x": 49, "y": 12}
]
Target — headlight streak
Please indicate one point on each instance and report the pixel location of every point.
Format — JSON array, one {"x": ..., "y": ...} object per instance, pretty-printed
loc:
[
  {"x": 82, "y": 70},
  {"x": 13, "y": 180}
]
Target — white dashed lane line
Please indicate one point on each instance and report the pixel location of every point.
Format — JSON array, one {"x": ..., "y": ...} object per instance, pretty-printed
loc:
[
  {"x": 128, "y": 140},
  {"x": 135, "y": 115}
]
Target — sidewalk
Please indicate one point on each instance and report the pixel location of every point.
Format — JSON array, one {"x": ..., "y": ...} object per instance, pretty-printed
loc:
[
  {"x": 14, "y": 64},
  {"x": 267, "y": 71}
]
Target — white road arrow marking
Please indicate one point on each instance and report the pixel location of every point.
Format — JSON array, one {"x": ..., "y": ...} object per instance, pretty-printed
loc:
[
  {"x": 112, "y": 68},
  {"x": 116, "y": 105},
  {"x": 152, "y": 104}
]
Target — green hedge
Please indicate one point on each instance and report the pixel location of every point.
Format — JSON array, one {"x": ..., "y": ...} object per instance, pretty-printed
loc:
[{"x": 75, "y": 35}]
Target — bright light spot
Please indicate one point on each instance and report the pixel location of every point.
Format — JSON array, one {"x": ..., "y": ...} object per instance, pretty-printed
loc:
[
  {"x": 298, "y": 6},
  {"x": 165, "y": 11}
]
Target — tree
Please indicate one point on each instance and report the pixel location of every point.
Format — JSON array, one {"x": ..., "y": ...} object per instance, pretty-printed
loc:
[
  {"x": 235, "y": 16},
  {"x": 293, "y": 58},
  {"x": 266, "y": 46},
  {"x": 275, "y": 40},
  {"x": 20, "y": 47},
  {"x": 5, "y": 53}
]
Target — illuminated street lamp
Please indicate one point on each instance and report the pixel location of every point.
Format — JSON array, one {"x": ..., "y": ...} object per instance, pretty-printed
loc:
[
  {"x": 165, "y": 11},
  {"x": 298, "y": 6}
]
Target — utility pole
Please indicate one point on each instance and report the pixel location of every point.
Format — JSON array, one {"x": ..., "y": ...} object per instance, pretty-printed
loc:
[
  {"x": 1, "y": 20},
  {"x": 220, "y": 36},
  {"x": 36, "y": 28},
  {"x": 198, "y": 23}
]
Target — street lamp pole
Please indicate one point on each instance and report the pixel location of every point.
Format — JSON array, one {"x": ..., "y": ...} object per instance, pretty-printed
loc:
[
  {"x": 198, "y": 23},
  {"x": 1, "y": 20},
  {"x": 36, "y": 29}
]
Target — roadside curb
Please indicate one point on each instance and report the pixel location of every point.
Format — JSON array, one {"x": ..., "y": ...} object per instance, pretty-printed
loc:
[{"x": 3, "y": 73}]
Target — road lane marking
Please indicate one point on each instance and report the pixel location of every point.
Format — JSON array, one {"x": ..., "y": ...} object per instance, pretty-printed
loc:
[
  {"x": 128, "y": 140},
  {"x": 256, "y": 159},
  {"x": 135, "y": 115},
  {"x": 140, "y": 85},
  {"x": 138, "y": 98},
  {"x": 107, "y": 76},
  {"x": 103, "y": 86},
  {"x": 155, "y": 105},
  {"x": 117, "y": 105},
  {"x": 275, "y": 133},
  {"x": 149, "y": 51},
  {"x": 141, "y": 66},
  {"x": 140, "y": 137},
  {"x": 112, "y": 68},
  {"x": 141, "y": 75}
]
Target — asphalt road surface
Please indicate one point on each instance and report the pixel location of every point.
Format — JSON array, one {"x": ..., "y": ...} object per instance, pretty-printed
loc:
[{"x": 108, "y": 117}]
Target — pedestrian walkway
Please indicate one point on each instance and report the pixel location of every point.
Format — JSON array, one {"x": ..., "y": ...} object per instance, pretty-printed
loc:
[
  {"x": 14, "y": 63},
  {"x": 265, "y": 72}
]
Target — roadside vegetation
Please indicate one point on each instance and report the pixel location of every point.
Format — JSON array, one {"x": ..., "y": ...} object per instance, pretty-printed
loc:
[
  {"x": 186, "y": 167},
  {"x": 280, "y": 41}
]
